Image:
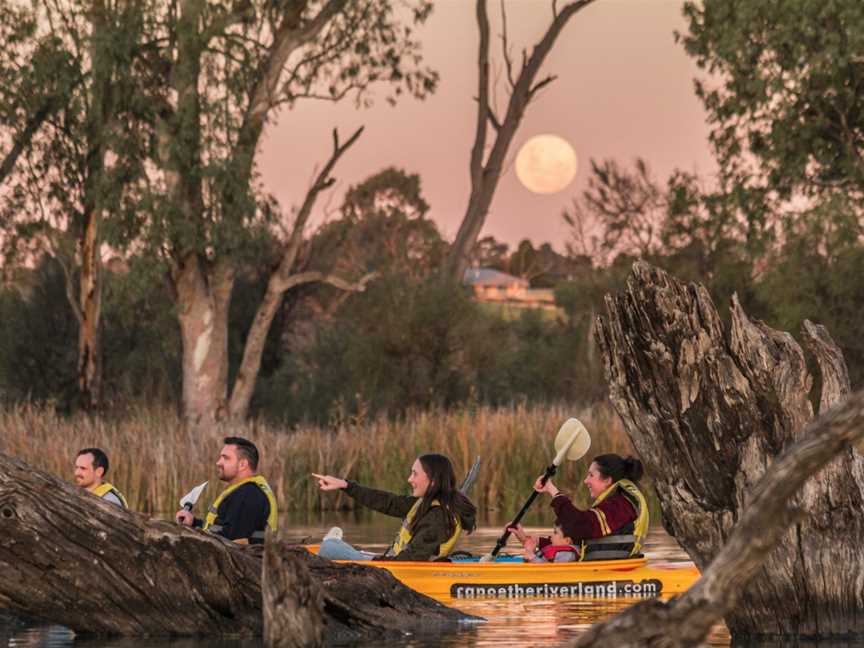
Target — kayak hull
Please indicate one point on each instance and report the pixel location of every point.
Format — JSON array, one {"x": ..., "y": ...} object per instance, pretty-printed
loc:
[{"x": 633, "y": 578}]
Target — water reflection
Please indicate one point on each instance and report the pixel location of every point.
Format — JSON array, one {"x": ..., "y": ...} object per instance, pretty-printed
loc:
[{"x": 509, "y": 623}]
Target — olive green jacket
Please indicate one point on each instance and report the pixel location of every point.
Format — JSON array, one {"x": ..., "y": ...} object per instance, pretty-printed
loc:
[{"x": 429, "y": 531}]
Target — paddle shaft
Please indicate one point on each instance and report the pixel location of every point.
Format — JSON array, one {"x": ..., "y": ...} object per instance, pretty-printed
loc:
[{"x": 550, "y": 470}]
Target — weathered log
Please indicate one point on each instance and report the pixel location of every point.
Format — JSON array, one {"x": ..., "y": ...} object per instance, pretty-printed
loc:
[
  {"x": 685, "y": 621},
  {"x": 708, "y": 416},
  {"x": 362, "y": 602},
  {"x": 73, "y": 559},
  {"x": 293, "y": 602}
]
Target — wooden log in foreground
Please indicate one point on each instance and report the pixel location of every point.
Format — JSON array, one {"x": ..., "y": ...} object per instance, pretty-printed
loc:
[
  {"x": 709, "y": 414},
  {"x": 70, "y": 558}
]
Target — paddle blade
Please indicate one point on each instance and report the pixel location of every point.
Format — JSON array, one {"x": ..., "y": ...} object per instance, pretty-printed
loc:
[
  {"x": 192, "y": 496},
  {"x": 572, "y": 441}
]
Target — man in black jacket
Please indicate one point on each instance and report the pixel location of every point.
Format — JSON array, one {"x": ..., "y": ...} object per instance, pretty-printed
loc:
[{"x": 247, "y": 507}]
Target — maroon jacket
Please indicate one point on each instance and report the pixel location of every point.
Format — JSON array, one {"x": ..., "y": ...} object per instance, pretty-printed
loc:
[{"x": 585, "y": 525}]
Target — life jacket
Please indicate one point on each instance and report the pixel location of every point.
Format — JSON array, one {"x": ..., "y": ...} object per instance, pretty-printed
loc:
[
  {"x": 404, "y": 536},
  {"x": 104, "y": 488},
  {"x": 272, "y": 519},
  {"x": 550, "y": 552},
  {"x": 627, "y": 541}
]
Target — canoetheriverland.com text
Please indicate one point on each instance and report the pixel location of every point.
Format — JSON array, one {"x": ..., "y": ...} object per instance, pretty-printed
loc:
[{"x": 605, "y": 590}]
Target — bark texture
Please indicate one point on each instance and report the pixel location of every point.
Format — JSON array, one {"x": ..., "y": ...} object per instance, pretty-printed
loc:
[
  {"x": 687, "y": 620},
  {"x": 70, "y": 558},
  {"x": 293, "y": 602},
  {"x": 203, "y": 302},
  {"x": 709, "y": 412}
]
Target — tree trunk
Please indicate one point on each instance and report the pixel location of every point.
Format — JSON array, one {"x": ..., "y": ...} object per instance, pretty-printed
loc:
[
  {"x": 90, "y": 324},
  {"x": 685, "y": 621},
  {"x": 203, "y": 299},
  {"x": 708, "y": 416},
  {"x": 99, "y": 116},
  {"x": 73, "y": 559}
]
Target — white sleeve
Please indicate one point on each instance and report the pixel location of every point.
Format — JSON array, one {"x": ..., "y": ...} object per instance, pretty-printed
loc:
[{"x": 111, "y": 497}]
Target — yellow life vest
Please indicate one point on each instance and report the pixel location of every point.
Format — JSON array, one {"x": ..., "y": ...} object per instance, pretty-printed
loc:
[
  {"x": 260, "y": 482},
  {"x": 404, "y": 536},
  {"x": 640, "y": 525},
  {"x": 104, "y": 488}
]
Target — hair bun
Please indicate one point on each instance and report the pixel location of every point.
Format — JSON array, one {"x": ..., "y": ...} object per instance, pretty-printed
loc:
[{"x": 633, "y": 468}]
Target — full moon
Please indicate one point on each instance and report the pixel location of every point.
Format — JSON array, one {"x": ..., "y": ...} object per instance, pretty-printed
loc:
[{"x": 546, "y": 164}]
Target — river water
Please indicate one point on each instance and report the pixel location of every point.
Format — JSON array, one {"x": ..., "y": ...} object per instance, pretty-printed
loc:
[{"x": 523, "y": 623}]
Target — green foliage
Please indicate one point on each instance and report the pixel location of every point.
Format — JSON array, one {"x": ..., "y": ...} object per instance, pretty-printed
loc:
[
  {"x": 399, "y": 345},
  {"x": 142, "y": 346},
  {"x": 816, "y": 275},
  {"x": 789, "y": 91},
  {"x": 382, "y": 229},
  {"x": 38, "y": 355}
]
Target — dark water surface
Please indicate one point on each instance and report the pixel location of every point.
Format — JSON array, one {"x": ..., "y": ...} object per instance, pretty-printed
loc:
[{"x": 508, "y": 623}]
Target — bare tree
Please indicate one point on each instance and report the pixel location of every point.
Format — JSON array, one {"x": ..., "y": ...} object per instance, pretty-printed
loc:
[
  {"x": 487, "y": 163},
  {"x": 283, "y": 279},
  {"x": 621, "y": 212}
]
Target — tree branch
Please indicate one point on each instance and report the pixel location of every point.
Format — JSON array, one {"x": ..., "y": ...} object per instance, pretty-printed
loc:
[
  {"x": 288, "y": 38},
  {"x": 281, "y": 281},
  {"x": 321, "y": 182},
  {"x": 540, "y": 85},
  {"x": 302, "y": 278},
  {"x": 505, "y": 49}
]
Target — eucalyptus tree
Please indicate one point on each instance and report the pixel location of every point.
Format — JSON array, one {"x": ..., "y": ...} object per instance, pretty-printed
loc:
[
  {"x": 71, "y": 147},
  {"x": 225, "y": 70},
  {"x": 784, "y": 95}
]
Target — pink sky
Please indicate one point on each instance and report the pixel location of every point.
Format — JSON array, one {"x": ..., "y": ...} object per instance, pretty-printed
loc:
[{"x": 624, "y": 89}]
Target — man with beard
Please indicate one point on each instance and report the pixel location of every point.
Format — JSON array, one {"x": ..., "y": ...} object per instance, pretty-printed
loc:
[
  {"x": 247, "y": 507},
  {"x": 91, "y": 464}
]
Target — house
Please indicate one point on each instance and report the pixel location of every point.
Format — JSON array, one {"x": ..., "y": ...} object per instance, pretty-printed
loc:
[{"x": 490, "y": 285}]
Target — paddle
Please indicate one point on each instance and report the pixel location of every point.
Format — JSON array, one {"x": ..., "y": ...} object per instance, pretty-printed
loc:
[
  {"x": 470, "y": 477},
  {"x": 572, "y": 441},
  {"x": 187, "y": 502}
]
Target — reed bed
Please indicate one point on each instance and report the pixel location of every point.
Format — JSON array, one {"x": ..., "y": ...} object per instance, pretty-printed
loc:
[{"x": 155, "y": 458}]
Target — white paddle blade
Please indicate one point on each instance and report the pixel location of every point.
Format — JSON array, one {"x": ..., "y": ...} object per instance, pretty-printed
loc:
[
  {"x": 572, "y": 441},
  {"x": 192, "y": 496}
]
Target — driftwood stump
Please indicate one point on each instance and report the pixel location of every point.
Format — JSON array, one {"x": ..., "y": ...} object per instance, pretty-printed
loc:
[
  {"x": 709, "y": 412},
  {"x": 70, "y": 558},
  {"x": 685, "y": 621}
]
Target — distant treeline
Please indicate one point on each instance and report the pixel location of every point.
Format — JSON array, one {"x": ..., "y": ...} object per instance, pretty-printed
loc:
[{"x": 409, "y": 341}]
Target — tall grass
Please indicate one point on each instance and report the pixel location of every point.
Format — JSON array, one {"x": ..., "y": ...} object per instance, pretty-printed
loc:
[{"x": 155, "y": 458}]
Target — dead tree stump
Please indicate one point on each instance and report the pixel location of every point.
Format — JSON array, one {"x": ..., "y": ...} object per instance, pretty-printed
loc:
[
  {"x": 709, "y": 411},
  {"x": 685, "y": 621}
]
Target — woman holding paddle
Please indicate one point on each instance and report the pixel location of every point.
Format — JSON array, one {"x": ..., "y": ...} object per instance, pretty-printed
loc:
[
  {"x": 433, "y": 516},
  {"x": 615, "y": 524}
]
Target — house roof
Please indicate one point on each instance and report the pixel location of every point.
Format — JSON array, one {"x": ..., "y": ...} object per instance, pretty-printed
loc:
[{"x": 490, "y": 277}]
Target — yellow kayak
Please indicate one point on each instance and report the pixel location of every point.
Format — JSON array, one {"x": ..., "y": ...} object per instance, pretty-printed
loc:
[{"x": 510, "y": 578}]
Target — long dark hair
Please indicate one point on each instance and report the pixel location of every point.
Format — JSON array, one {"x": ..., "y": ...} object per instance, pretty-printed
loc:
[
  {"x": 442, "y": 487},
  {"x": 617, "y": 467}
]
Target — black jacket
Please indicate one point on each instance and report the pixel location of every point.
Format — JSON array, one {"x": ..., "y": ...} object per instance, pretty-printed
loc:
[{"x": 242, "y": 513}]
